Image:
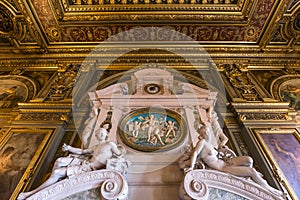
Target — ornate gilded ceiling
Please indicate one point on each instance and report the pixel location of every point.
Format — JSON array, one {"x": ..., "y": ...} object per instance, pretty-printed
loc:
[{"x": 39, "y": 26}]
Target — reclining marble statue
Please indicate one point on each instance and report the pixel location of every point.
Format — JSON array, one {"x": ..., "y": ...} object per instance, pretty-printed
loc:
[
  {"x": 77, "y": 163},
  {"x": 241, "y": 166}
]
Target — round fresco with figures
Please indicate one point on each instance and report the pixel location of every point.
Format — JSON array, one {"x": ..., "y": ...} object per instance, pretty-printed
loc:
[{"x": 149, "y": 130}]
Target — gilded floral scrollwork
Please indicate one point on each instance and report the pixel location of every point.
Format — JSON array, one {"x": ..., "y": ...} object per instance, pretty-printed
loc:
[
  {"x": 241, "y": 82},
  {"x": 63, "y": 82}
]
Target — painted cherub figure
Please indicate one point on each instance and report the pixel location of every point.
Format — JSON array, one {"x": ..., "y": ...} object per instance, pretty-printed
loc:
[
  {"x": 170, "y": 127},
  {"x": 136, "y": 128}
]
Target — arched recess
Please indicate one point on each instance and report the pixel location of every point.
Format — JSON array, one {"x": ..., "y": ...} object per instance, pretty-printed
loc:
[
  {"x": 287, "y": 89},
  {"x": 16, "y": 89}
]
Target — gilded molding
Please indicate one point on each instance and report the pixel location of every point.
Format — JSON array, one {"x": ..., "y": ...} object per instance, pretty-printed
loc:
[
  {"x": 30, "y": 25},
  {"x": 41, "y": 117},
  {"x": 142, "y": 5},
  {"x": 264, "y": 116},
  {"x": 10, "y": 27},
  {"x": 196, "y": 18},
  {"x": 270, "y": 156},
  {"x": 252, "y": 110},
  {"x": 259, "y": 104},
  {"x": 287, "y": 29},
  {"x": 270, "y": 31}
]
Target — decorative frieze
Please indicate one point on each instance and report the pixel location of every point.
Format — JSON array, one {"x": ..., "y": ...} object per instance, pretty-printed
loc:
[
  {"x": 265, "y": 116},
  {"x": 42, "y": 117}
]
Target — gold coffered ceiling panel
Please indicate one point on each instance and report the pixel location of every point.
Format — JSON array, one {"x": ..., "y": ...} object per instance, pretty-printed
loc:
[
  {"x": 149, "y": 10},
  {"x": 46, "y": 25}
]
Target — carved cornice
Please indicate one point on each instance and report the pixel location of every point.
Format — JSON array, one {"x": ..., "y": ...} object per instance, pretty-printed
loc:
[
  {"x": 42, "y": 112},
  {"x": 50, "y": 62},
  {"x": 271, "y": 112}
]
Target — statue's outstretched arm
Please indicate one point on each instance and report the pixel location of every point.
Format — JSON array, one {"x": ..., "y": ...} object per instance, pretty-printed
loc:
[{"x": 76, "y": 150}]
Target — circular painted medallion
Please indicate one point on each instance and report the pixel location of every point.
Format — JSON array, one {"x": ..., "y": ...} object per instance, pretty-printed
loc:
[{"x": 151, "y": 130}]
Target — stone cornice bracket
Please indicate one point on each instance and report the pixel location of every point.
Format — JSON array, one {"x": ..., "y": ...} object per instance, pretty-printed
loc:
[
  {"x": 112, "y": 185},
  {"x": 196, "y": 184}
]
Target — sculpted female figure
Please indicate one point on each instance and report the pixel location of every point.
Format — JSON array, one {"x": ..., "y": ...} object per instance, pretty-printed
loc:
[{"x": 239, "y": 166}]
